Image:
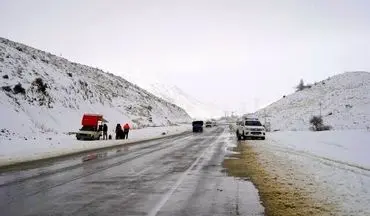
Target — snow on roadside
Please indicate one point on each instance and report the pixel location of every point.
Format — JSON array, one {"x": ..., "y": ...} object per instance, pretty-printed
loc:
[
  {"x": 52, "y": 145},
  {"x": 350, "y": 147},
  {"x": 333, "y": 166}
]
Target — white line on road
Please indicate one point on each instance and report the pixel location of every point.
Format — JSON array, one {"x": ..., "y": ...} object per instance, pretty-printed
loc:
[{"x": 165, "y": 198}]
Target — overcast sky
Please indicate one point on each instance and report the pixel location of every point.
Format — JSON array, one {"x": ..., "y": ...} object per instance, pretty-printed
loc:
[{"x": 239, "y": 55}]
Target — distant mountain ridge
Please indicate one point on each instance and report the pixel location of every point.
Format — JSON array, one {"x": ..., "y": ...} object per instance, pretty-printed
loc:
[
  {"x": 195, "y": 108},
  {"x": 41, "y": 92},
  {"x": 344, "y": 98}
]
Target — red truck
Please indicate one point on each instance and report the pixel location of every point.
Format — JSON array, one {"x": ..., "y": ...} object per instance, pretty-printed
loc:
[{"x": 91, "y": 127}]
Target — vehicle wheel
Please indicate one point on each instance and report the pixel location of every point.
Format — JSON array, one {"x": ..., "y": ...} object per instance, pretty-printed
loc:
[
  {"x": 263, "y": 138},
  {"x": 238, "y": 135}
]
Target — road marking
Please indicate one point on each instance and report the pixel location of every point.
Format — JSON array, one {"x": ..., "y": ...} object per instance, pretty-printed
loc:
[
  {"x": 165, "y": 198},
  {"x": 141, "y": 171}
]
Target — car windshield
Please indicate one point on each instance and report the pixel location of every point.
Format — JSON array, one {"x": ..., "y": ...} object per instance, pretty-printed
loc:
[{"x": 253, "y": 123}]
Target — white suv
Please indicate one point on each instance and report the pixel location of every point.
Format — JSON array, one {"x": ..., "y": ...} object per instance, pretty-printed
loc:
[{"x": 250, "y": 128}]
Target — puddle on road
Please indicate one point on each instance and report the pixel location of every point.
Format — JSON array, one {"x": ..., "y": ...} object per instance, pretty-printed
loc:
[
  {"x": 239, "y": 188},
  {"x": 231, "y": 151},
  {"x": 242, "y": 194}
]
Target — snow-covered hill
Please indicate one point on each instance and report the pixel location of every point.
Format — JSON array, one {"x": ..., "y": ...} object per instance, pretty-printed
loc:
[
  {"x": 344, "y": 98},
  {"x": 41, "y": 92}
]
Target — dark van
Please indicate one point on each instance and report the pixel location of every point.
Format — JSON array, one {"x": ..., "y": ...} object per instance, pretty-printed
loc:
[{"x": 197, "y": 126}]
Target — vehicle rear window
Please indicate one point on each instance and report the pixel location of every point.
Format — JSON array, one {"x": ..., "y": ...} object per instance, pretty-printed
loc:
[
  {"x": 253, "y": 123},
  {"x": 197, "y": 123}
]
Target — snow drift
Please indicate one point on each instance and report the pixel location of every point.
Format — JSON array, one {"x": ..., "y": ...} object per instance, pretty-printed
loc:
[
  {"x": 44, "y": 93},
  {"x": 344, "y": 98}
]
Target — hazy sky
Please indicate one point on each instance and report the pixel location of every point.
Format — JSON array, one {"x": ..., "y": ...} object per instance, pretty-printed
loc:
[{"x": 238, "y": 55}]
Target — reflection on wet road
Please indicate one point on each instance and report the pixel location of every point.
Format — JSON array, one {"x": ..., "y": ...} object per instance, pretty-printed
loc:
[{"x": 172, "y": 176}]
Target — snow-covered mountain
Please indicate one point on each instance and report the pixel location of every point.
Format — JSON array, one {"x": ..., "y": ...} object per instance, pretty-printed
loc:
[
  {"x": 344, "y": 98},
  {"x": 41, "y": 92},
  {"x": 175, "y": 95},
  {"x": 169, "y": 92}
]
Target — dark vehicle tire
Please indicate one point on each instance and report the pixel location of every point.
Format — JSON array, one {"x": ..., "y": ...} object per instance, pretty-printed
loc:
[
  {"x": 238, "y": 135},
  {"x": 263, "y": 138}
]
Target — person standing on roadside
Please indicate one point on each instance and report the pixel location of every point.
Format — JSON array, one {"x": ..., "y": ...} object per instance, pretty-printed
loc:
[
  {"x": 126, "y": 129},
  {"x": 118, "y": 131},
  {"x": 105, "y": 132}
]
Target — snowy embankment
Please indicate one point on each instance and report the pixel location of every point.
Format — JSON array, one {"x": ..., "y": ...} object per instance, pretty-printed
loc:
[
  {"x": 43, "y": 93},
  {"x": 48, "y": 145},
  {"x": 333, "y": 166}
]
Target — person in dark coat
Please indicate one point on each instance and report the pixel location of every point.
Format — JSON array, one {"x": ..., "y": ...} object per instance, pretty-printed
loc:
[
  {"x": 126, "y": 129},
  {"x": 118, "y": 131},
  {"x": 105, "y": 132}
]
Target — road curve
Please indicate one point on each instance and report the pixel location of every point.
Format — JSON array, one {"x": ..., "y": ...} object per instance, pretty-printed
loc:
[{"x": 174, "y": 176}]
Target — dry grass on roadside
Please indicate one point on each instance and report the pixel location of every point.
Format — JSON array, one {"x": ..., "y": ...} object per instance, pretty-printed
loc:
[{"x": 278, "y": 198}]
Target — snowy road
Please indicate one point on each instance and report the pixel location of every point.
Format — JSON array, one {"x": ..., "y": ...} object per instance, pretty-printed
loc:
[{"x": 172, "y": 176}]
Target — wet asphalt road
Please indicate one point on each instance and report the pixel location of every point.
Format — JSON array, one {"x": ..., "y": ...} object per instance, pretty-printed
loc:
[{"x": 173, "y": 176}]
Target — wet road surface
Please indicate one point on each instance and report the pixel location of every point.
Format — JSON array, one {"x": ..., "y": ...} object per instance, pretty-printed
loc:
[{"x": 173, "y": 176}]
